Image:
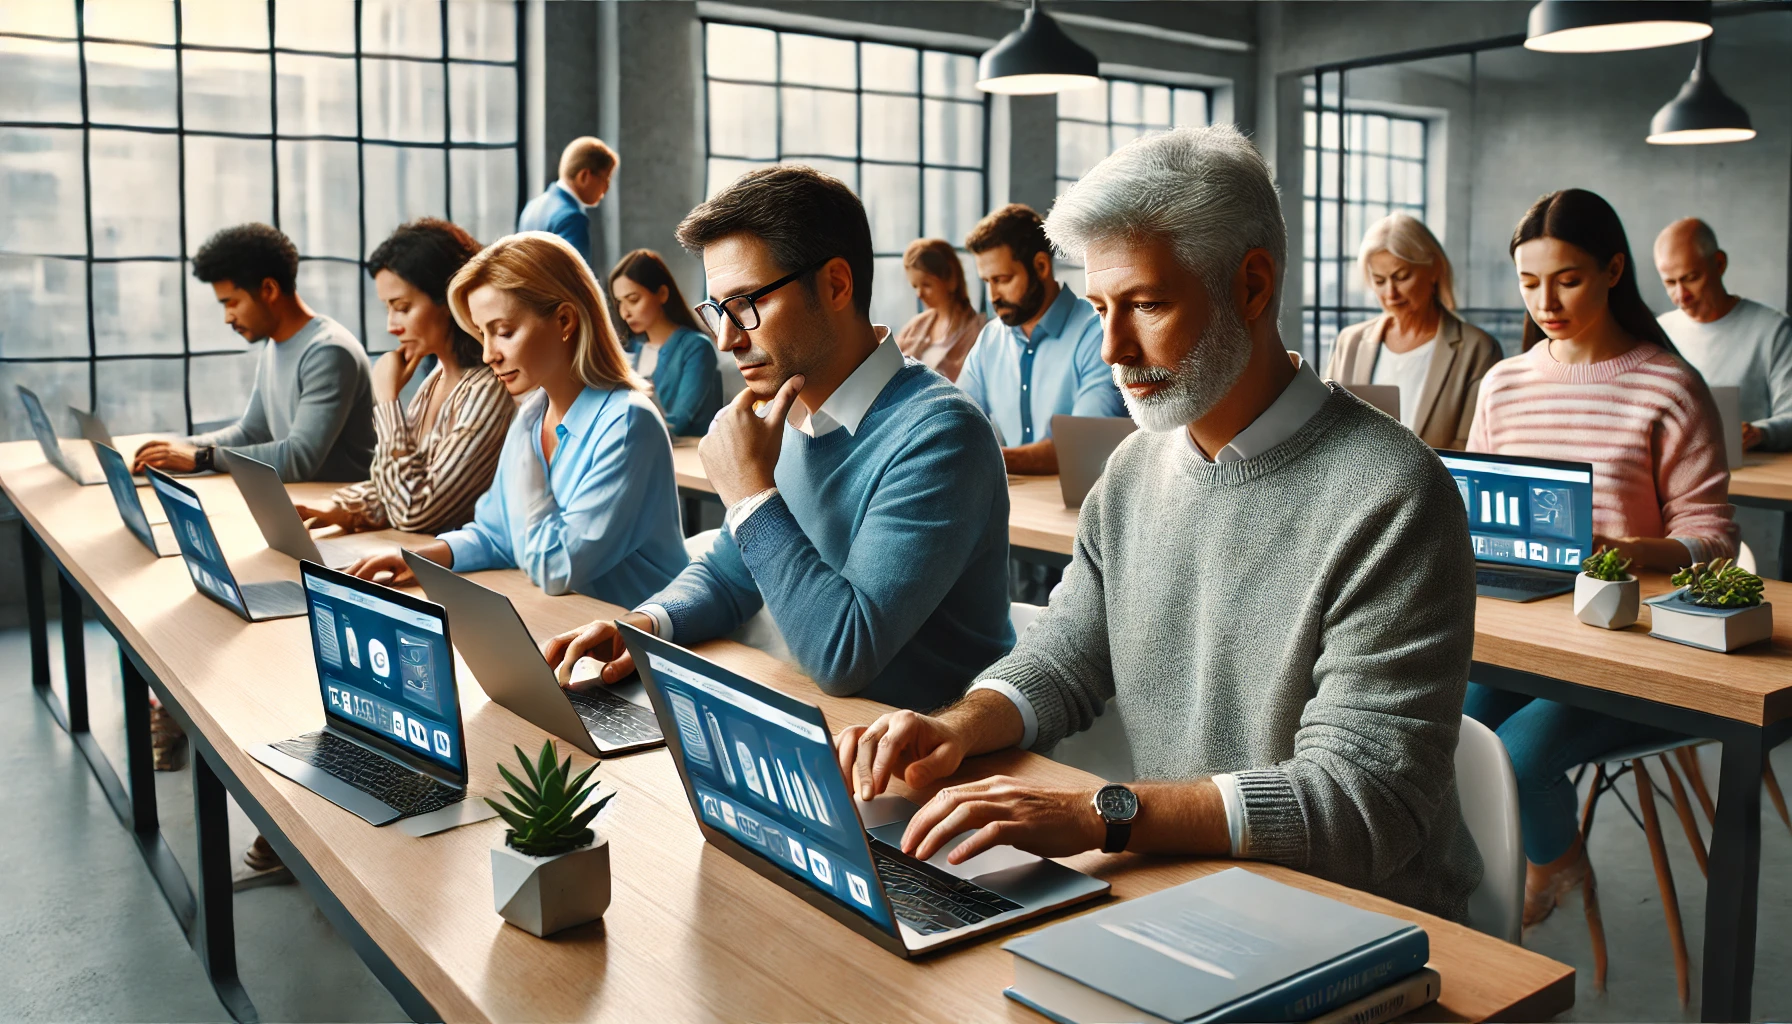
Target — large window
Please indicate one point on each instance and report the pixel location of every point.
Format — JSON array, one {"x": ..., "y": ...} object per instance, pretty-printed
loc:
[
  {"x": 904, "y": 126},
  {"x": 131, "y": 130},
  {"x": 1094, "y": 122},
  {"x": 1374, "y": 166}
]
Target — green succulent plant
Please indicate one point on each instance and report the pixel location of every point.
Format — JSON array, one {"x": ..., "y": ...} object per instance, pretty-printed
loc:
[
  {"x": 544, "y": 815},
  {"x": 1605, "y": 564},
  {"x": 1719, "y": 584}
]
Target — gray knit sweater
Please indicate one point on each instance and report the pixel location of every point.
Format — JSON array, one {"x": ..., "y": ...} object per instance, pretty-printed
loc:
[{"x": 1304, "y": 620}]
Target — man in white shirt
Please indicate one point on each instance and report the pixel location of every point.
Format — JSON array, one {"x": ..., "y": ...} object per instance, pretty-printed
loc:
[{"x": 1733, "y": 341}]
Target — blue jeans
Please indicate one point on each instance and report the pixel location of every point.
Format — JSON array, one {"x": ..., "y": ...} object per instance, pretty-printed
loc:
[{"x": 1545, "y": 739}]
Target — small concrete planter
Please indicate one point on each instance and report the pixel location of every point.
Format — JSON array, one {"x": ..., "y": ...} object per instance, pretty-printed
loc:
[
  {"x": 1608, "y": 604},
  {"x": 542, "y": 895}
]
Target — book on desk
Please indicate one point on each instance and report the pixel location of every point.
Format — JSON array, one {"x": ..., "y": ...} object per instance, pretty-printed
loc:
[{"x": 1231, "y": 947}]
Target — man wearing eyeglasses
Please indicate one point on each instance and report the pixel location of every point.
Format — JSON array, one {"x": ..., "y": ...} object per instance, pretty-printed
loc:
[{"x": 867, "y": 506}]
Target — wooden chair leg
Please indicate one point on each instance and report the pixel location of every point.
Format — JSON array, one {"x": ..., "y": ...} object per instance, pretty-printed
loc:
[
  {"x": 1664, "y": 877},
  {"x": 1683, "y": 808},
  {"x": 1589, "y": 892},
  {"x": 1695, "y": 775},
  {"x": 1773, "y": 792}
]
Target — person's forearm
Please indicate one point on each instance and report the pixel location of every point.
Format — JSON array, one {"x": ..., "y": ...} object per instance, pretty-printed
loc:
[
  {"x": 1037, "y": 459},
  {"x": 987, "y": 720},
  {"x": 1662, "y": 554},
  {"x": 438, "y": 552},
  {"x": 1180, "y": 818}
]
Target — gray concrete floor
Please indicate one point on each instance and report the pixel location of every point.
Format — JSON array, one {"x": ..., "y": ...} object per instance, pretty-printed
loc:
[{"x": 85, "y": 935}]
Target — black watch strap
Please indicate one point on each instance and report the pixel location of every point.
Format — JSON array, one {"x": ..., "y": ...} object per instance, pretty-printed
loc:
[
  {"x": 205, "y": 458},
  {"x": 1119, "y": 834}
]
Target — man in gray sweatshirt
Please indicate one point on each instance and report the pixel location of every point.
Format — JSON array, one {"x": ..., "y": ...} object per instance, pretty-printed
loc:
[
  {"x": 310, "y": 415},
  {"x": 1272, "y": 582}
]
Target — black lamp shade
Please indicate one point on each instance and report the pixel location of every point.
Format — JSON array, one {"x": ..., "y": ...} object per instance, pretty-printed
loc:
[
  {"x": 1037, "y": 58},
  {"x": 1600, "y": 26},
  {"x": 1701, "y": 113}
]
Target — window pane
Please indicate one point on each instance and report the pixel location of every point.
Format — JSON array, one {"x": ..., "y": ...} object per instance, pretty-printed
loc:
[
  {"x": 1191, "y": 108},
  {"x": 1080, "y": 147},
  {"x": 150, "y": 21},
  {"x": 317, "y": 95},
  {"x": 818, "y": 122},
  {"x": 42, "y": 18},
  {"x": 892, "y": 127},
  {"x": 407, "y": 27},
  {"x": 402, "y": 100},
  {"x": 954, "y": 133},
  {"x": 141, "y": 396},
  {"x": 58, "y": 385},
  {"x": 735, "y": 51},
  {"x": 845, "y": 170},
  {"x": 743, "y": 120},
  {"x": 334, "y": 290},
  {"x": 130, "y": 85},
  {"x": 402, "y": 184},
  {"x": 319, "y": 197},
  {"x": 136, "y": 309},
  {"x": 224, "y": 22},
  {"x": 1378, "y": 135},
  {"x": 484, "y": 200},
  {"x": 1126, "y": 100},
  {"x": 141, "y": 218},
  {"x": 206, "y": 331},
  {"x": 1409, "y": 138},
  {"x": 41, "y": 191},
  {"x": 1157, "y": 106},
  {"x": 43, "y": 305},
  {"x": 226, "y": 92},
  {"x": 485, "y": 30},
  {"x": 817, "y": 60},
  {"x": 316, "y": 25},
  {"x": 890, "y": 68},
  {"x": 1121, "y": 134},
  {"x": 723, "y": 173},
  {"x": 954, "y": 201},
  {"x": 892, "y": 300},
  {"x": 893, "y": 205},
  {"x": 950, "y": 74},
  {"x": 1089, "y": 104},
  {"x": 229, "y": 181},
  {"x": 1409, "y": 181},
  {"x": 1376, "y": 181},
  {"x": 219, "y": 385},
  {"x": 39, "y": 81},
  {"x": 483, "y": 99}
]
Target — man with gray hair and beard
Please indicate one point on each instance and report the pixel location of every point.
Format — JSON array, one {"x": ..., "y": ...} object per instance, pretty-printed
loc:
[{"x": 1272, "y": 581}]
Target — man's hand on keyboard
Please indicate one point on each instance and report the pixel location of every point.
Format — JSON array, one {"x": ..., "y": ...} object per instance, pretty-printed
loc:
[{"x": 1005, "y": 811}]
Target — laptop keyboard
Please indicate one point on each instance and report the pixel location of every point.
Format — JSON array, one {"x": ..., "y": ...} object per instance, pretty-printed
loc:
[
  {"x": 618, "y": 721},
  {"x": 1520, "y": 581},
  {"x": 929, "y": 900},
  {"x": 402, "y": 789}
]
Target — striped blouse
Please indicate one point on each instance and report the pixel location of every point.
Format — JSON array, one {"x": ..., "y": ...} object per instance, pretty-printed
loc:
[
  {"x": 1646, "y": 422},
  {"x": 428, "y": 483}
]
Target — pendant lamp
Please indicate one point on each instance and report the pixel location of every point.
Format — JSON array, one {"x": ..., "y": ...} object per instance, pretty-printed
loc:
[
  {"x": 1701, "y": 114},
  {"x": 1600, "y": 26},
  {"x": 1037, "y": 58}
]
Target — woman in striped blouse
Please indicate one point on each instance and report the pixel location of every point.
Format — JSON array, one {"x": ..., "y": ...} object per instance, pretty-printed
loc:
[
  {"x": 436, "y": 458},
  {"x": 1599, "y": 382}
]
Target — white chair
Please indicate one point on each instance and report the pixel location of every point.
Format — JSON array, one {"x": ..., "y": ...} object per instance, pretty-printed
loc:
[
  {"x": 1102, "y": 749},
  {"x": 1745, "y": 557},
  {"x": 1489, "y": 793},
  {"x": 759, "y": 632}
]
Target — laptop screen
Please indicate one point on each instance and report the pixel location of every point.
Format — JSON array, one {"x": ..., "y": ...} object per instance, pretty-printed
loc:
[
  {"x": 1521, "y": 511},
  {"x": 124, "y": 493},
  {"x": 759, "y": 767},
  {"x": 41, "y": 427},
  {"x": 198, "y": 545},
  {"x": 384, "y": 665}
]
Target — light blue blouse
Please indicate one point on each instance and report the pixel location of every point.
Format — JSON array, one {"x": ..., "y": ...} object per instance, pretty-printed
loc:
[{"x": 603, "y": 519}]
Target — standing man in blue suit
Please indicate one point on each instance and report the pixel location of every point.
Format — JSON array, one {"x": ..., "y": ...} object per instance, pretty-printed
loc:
[{"x": 586, "y": 166}]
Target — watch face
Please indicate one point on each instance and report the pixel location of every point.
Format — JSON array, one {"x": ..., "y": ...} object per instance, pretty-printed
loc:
[{"x": 1117, "y": 803}]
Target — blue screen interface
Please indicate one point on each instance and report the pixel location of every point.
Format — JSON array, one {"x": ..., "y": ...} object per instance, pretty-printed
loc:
[
  {"x": 386, "y": 668},
  {"x": 124, "y": 494},
  {"x": 198, "y": 545},
  {"x": 1525, "y": 514},
  {"x": 767, "y": 777}
]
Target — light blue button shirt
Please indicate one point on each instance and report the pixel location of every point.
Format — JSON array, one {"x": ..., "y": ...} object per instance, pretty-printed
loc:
[
  {"x": 602, "y": 519},
  {"x": 1022, "y": 382}
]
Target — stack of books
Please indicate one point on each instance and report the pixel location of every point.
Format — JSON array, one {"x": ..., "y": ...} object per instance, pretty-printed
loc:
[{"x": 1231, "y": 947}]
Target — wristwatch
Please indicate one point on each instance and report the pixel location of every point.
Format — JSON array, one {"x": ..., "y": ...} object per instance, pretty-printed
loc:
[
  {"x": 1118, "y": 806},
  {"x": 205, "y": 458}
]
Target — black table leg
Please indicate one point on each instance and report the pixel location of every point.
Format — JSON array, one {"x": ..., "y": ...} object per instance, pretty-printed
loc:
[
  {"x": 144, "y": 821},
  {"x": 1735, "y": 876},
  {"x": 32, "y": 557},
  {"x": 74, "y": 653},
  {"x": 214, "y": 928}
]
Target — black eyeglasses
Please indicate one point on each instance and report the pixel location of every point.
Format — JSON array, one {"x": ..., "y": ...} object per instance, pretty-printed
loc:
[{"x": 743, "y": 310}]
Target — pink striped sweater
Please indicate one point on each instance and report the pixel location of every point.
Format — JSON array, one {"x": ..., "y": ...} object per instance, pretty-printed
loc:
[{"x": 1644, "y": 420}]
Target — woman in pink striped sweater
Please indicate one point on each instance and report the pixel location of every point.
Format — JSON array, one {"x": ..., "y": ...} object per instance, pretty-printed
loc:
[{"x": 1599, "y": 382}]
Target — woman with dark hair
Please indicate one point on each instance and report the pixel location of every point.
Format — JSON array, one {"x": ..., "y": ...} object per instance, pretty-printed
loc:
[
  {"x": 666, "y": 343},
  {"x": 942, "y": 334},
  {"x": 1598, "y": 383},
  {"x": 436, "y": 457}
]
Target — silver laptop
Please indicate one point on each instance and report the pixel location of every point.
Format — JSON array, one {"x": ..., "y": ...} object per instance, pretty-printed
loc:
[
  {"x": 1729, "y": 414},
  {"x": 265, "y": 494},
  {"x": 157, "y": 537},
  {"x": 255, "y": 602},
  {"x": 75, "y": 459},
  {"x": 1385, "y": 397},
  {"x": 1530, "y": 521},
  {"x": 1084, "y": 444},
  {"x": 763, "y": 779},
  {"x": 94, "y": 429},
  {"x": 511, "y": 670}
]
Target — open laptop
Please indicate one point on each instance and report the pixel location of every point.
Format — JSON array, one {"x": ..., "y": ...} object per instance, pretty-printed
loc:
[
  {"x": 265, "y": 494},
  {"x": 1729, "y": 414},
  {"x": 763, "y": 779},
  {"x": 1084, "y": 444},
  {"x": 1530, "y": 520},
  {"x": 1385, "y": 397},
  {"x": 76, "y": 460},
  {"x": 392, "y": 744},
  {"x": 94, "y": 429},
  {"x": 511, "y": 670},
  {"x": 256, "y": 602},
  {"x": 157, "y": 537}
]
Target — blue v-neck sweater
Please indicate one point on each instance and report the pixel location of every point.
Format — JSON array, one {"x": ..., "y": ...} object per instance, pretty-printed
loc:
[{"x": 884, "y": 556}]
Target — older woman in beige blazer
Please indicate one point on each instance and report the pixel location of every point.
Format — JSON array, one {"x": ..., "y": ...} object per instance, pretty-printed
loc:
[{"x": 1418, "y": 343}]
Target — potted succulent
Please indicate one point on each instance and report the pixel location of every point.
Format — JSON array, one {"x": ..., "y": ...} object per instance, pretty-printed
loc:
[
  {"x": 552, "y": 871},
  {"x": 1718, "y": 607},
  {"x": 1605, "y": 594}
]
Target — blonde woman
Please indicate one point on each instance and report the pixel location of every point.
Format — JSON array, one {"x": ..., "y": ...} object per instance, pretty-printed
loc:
[
  {"x": 1418, "y": 343},
  {"x": 584, "y": 497},
  {"x": 942, "y": 334}
]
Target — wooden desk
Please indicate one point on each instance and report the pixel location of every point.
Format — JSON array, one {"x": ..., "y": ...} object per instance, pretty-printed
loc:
[{"x": 691, "y": 933}]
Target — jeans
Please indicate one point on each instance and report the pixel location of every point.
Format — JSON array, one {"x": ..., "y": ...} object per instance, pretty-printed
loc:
[{"x": 1545, "y": 739}]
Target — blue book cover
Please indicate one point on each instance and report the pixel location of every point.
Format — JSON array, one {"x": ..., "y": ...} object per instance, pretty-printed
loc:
[{"x": 1231, "y": 947}]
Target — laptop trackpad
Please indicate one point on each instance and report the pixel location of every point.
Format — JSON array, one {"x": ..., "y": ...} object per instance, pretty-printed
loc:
[
  {"x": 461, "y": 812},
  {"x": 1000, "y": 858}
]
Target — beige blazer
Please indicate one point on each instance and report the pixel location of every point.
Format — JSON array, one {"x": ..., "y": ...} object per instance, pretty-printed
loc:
[{"x": 1446, "y": 406}]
